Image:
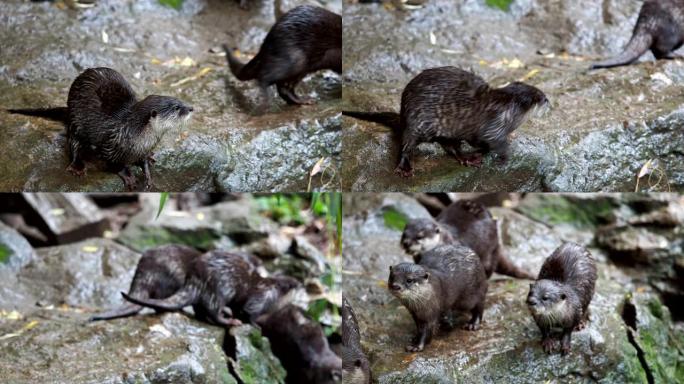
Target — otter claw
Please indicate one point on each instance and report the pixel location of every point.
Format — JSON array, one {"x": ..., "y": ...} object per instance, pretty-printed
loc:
[
  {"x": 548, "y": 345},
  {"x": 471, "y": 327},
  {"x": 75, "y": 171},
  {"x": 414, "y": 348},
  {"x": 406, "y": 173}
]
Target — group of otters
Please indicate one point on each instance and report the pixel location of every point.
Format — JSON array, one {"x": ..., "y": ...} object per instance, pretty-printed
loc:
[
  {"x": 454, "y": 256},
  {"x": 445, "y": 105},
  {"x": 227, "y": 288}
]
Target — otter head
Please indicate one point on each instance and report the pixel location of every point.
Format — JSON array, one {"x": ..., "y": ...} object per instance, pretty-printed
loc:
[
  {"x": 408, "y": 282},
  {"x": 548, "y": 301},
  {"x": 420, "y": 235},
  {"x": 527, "y": 98},
  {"x": 164, "y": 112}
]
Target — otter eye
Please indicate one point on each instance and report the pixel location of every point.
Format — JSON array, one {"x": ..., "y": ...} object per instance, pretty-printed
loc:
[
  {"x": 545, "y": 298},
  {"x": 409, "y": 281}
]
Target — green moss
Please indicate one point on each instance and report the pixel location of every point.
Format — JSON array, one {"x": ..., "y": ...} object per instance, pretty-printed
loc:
[
  {"x": 556, "y": 209},
  {"x": 394, "y": 219},
  {"x": 504, "y": 5},
  {"x": 656, "y": 308},
  {"x": 5, "y": 253},
  {"x": 149, "y": 237}
]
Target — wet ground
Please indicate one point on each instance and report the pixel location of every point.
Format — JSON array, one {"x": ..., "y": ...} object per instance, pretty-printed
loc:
[
  {"x": 160, "y": 50},
  {"x": 630, "y": 336},
  {"x": 605, "y": 127}
]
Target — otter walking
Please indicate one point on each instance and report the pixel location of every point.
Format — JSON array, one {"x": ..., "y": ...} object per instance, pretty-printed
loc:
[
  {"x": 560, "y": 297},
  {"x": 448, "y": 105},
  {"x": 355, "y": 365},
  {"x": 467, "y": 222},
  {"x": 104, "y": 119},
  {"x": 660, "y": 28},
  {"x": 448, "y": 278},
  {"x": 304, "y": 40}
]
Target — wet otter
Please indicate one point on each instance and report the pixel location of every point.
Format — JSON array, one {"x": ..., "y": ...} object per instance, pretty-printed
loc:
[
  {"x": 660, "y": 28},
  {"x": 219, "y": 284},
  {"x": 355, "y": 365},
  {"x": 304, "y": 40},
  {"x": 560, "y": 297},
  {"x": 467, "y": 222},
  {"x": 160, "y": 273},
  {"x": 300, "y": 345},
  {"x": 104, "y": 119},
  {"x": 448, "y": 105},
  {"x": 448, "y": 278}
]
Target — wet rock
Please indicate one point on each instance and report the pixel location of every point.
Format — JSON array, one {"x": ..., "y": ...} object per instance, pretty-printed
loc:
[
  {"x": 507, "y": 347},
  {"x": 224, "y": 147},
  {"x": 251, "y": 357},
  {"x": 15, "y": 251},
  {"x": 603, "y": 128},
  {"x": 58, "y": 346}
]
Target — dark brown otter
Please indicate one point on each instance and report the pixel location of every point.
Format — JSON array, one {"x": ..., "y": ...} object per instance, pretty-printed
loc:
[
  {"x": 300, "y": 345},
  {"x": 104, "y": 119},
  {"x": 304, "y": 40},
  {"x": 355, "y": 365},
  {"x": 448, "y": 105},
  {"x": 469, "y": 223},
  {"x": 220, "y": 284},
  {"x": 160, "y": 273},
  {"x": 448, "y": 278},
  {"x": 559, "y": 299},
  {"x": 660, "y": 28}
]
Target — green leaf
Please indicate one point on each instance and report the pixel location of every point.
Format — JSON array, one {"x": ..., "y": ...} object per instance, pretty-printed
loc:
[
  {"x": 172, "y": 3},
  {"x": 162, "y": 201},
  {"x": 504, "y": 5},
  {"x": 395, "y": 219},
  {"x": 5, "y": 253}
]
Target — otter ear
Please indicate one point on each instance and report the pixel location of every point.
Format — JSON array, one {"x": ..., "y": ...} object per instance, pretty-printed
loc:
[{"x": 426, "y": 276}]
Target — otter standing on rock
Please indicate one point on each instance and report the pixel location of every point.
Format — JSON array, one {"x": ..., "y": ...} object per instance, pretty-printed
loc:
[
  {"x": 448, "y": 105},
  {"x": 355, "y": 365},
  {"x": 560, "y": 297},
  {"x": 304, "y": 40},
  {"x": 300, "y": 345},
  {"x": 104, "y": 118},
  {"x": 660, "y": 28},
  {"x": 448, "y": 278},
  {"x": 469, "y": 223}
]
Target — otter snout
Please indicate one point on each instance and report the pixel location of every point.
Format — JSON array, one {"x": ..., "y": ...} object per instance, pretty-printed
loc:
[
  {"x": 531, "y": 301},
  {"x": 394, "y": 287}
]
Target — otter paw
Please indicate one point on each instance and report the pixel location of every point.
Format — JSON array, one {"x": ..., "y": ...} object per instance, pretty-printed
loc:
[
  {"x": 414, "y": 348},
  {"x": 471, "y": 326},
  {"x": 406, "y": 173},
  {"x": 79, "y": 172},
  {"x": 474, "y": 160},
  {"x": 234, "y": 322},
  {"x": 549, "y": 345}
]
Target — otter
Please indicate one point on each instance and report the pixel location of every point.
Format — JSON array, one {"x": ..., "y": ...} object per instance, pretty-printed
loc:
[
  {"x": 470, "y": 223},
  {"x": 300, "y": 345},
  {"x": 559, "y": 299},
  {"x": 219, "y": 284},
  {"x": 160, "y": 273},
  {"x": 355, "y": 365},
  {"x": 448, "y": 278},
  {"x": 659, "y": 27},
  {"x": 448, "y": 105},
  {"x": 304, "y": 40},
  {"x": 104, "y": 119}
]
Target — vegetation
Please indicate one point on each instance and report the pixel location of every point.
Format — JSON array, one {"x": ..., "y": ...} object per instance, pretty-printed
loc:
[{"x": 501, "y": 4}]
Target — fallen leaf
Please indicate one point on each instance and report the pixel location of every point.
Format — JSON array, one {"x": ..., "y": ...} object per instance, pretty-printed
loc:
[
  {"x": 57, "y": 212},
  {"x": 645, "y": 169},
  {"x": 317, "y": 167},
  {"x": 382, "y": 284},
  {"x": 433, "y": 38},
  {"x": 515, "y": 63},
  {"x": 32, "y": 324},
  {"x": 105, "y": 37},
  {"x": 196, "y": 76},
  {"x": 90, "y": 248},
  {"x": 529, "y": 74}
]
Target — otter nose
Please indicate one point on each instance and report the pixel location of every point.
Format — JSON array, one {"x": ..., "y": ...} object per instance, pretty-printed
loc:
[
  {"x": 531, "y": 301},
  {"x": 190, "y": 109},
  {"x": 395, "y": 287}
]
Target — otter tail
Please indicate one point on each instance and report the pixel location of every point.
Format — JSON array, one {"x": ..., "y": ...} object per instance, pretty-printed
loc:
[
  {"x": 177, "y": 301},
  {"x": 123, "y": 311},
  {"x": 506, "y": 267},
  {"x": 60, "y": 114},
  {"x": 239, "y": 69},
  {"x": 636, "y": 47},
  {"x": 390, "y": 119}
]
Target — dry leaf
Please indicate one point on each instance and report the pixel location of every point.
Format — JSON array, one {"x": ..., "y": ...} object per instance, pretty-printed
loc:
[
  {"x": 515, "y": 63},
  {"x": 105, "y": 37},
  {"x": 32, "y": 324},
  {"x": 645, "y": 169},
  {"x": 196, "y": 76},
  {"x": 89, "y": 248},
  {"x": 529, "y": 74},
  {"x": 433, "y": 38},
  {"x": 317, "y": 167}
]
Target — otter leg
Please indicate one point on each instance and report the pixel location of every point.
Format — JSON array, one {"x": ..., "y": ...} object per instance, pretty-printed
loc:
[
  {"x": 76, "y": 167},
  {"x": 286, "y": 90},
  {"x": 404, "y": 168},
  {"x": 548, "y": 343},
  {"x": 476, "y": 319},
  {"x": 583, "y": 321},
  {"x": 145, "y": 165},
  {"x": 127, "y": 178},
  {"x": 453, "y": 148},
  {"x": 500, "y": 148},
  {"x": 565, "y": 341},
  {"x": 422, "y": 337}
]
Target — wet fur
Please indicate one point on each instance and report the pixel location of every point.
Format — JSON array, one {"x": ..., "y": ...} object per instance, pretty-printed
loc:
[
  {"x": 304, "y": 40},
  {"x": 300, "y": 345},
  {"x": 467, "y": 222},
  {"x": 105, "y": 119},
  {"x": 559, "y": 299},
  {"x": 355, "y": 365},
  {"x": 448, "y": 278},
  {"x": 660, "y": 28},
  {"x": 448, "y": 106}
]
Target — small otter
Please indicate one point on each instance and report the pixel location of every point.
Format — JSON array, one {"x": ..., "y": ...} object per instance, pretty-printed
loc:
[
  {"x": 160, "y": 273},
  {"x": 448, "y": 278},
  {"x": 104, "y": 119},
  {"x": 268, "y": 294},
  {"x": 448, "y": 105},
  {"x": 300, "y": 345},
  {"x": 469, "y": 223},
  {"x": 560, "y": 297},
  {"x": 304, "y": 40},
  {"x": 355, "y": 365},
  {"x": 660, "y": 28}
]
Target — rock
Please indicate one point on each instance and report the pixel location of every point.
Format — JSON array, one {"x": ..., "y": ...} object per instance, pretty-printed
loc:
[
  {"x": 58, "y": 346},
  {"x": 15, "y": 251},
  {"x": 615, "y": 121},
  {"x": 251, "y": 357},
  {"x": 302, "y": 248}
]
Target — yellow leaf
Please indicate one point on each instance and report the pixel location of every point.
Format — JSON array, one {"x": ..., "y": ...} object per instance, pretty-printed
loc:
[
  {"x": 529, "y": 74},
  {"x": 187, "y": 62},
  {"x": 515, "y": 63},
  {"x": 32, "y": 324},
  {"x": 155, "y": 61},
  {"x": 645, "y": 169},
  {"x": 90, "y": 248},
  {"x": 382, "y": 284}
]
